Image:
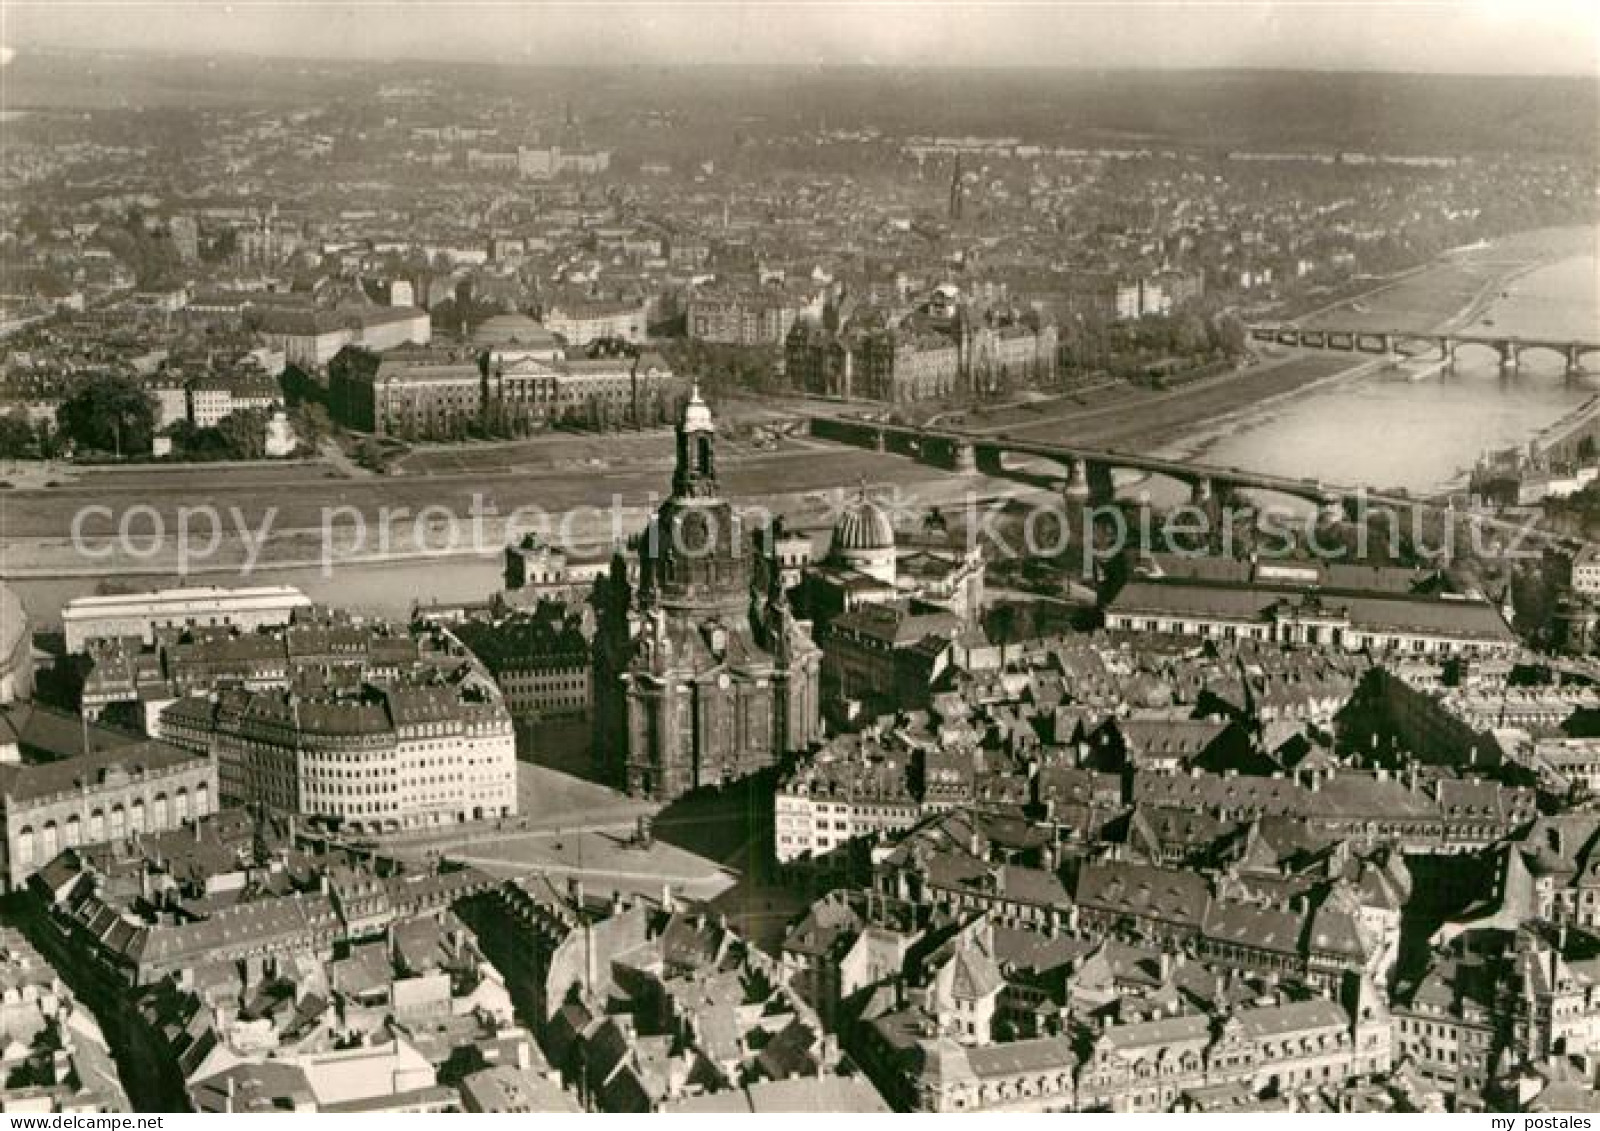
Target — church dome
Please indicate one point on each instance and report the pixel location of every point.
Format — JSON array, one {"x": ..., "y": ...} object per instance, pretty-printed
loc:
[{"x": 863, "y": 526}]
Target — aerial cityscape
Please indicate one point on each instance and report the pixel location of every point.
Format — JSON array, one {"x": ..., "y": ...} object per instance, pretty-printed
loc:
[{"x": 655, "y": 557}]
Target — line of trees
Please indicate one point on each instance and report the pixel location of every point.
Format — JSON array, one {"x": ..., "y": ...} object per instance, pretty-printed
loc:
[
  {"x": 1127, "y": 349},
  {"x": 112, "y": 414},
  {"x": 239, "y": 435},
  {"x": 116, "y": 416},
  {"x": 22, "y": 437},
  {"x": 721, "y": 368}
]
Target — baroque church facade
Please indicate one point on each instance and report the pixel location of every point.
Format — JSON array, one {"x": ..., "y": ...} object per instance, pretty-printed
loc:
[{"x": 700, "y": 677}]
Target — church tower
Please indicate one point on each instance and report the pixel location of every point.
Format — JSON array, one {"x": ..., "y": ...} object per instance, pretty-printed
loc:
[{"x": 696, "y": 684}]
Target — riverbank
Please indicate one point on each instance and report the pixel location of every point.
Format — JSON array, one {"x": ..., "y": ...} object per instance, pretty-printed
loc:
[
  {"x": 586, "y": 532},
  {"x": 1141, "y": 417},
  {"x": 1452, "y": 294},
  {"x": 1195, "y": 445},
  {"x": 442, "y": 554},
  {"x": 459, "y": 564}
]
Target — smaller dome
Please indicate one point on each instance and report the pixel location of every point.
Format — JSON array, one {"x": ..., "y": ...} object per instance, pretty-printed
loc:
[
  {"x": 511, "y": 329},
  {"x": 863, "y": 526}
]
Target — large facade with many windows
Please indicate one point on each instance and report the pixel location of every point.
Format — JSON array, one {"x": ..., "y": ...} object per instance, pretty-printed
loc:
[
  {"x": 1331, "y": 606},
  {"x": 107, "y": 795},
  {"x": 438, "y": 394},
  {"x": 379, "y": 759}
]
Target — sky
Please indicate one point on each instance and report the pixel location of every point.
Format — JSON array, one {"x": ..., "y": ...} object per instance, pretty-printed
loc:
[{"x": 1457, "y": 36}]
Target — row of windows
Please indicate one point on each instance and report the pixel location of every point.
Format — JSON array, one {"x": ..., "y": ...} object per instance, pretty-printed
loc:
[
  {"x": 101, "y": 825},
  {"x": 1336, "y": 635}
]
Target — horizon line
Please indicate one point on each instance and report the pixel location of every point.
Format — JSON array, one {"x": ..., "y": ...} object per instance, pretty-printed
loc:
[{"x": 242, "y": 54}]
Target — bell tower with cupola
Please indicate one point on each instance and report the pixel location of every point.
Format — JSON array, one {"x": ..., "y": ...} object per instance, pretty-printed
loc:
[
  {"x": 696, "y": 473},
  {"x": 705, "y": 689},
  {"x": 695, "y": 557}
]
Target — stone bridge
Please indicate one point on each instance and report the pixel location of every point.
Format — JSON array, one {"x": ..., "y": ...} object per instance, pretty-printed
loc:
[
  {"x": 1410, "y": 343},
  {"x": 1086, "y": 472}
]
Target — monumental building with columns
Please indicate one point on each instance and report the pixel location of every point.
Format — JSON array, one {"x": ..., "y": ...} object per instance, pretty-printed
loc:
[{"x": 700, "y": 677}]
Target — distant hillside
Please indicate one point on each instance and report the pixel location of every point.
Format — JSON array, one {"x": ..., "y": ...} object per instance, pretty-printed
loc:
[{"x": 1435, "y": 114}]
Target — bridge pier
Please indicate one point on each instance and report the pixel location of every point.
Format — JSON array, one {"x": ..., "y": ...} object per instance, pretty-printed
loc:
[
  {"x": 1330, "y": 511},
  {"x": 1447, "y": 353},
  {"x": 1201, "y": 491},
  {"x": 880, "y": 442},
  {"x": 1574, "y": 362},
  {"x": 1076, "y": 489},
  {"x": 1102, "y": 481},
  {"x": 1509, "y": 359}
]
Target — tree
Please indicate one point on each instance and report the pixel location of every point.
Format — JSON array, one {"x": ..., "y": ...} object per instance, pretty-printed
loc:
[
  {"x": 16, "y": 436},
  {"x": 1189, "y": 335},
  {"x": 110, "y": 414},
  {"x": 244, "y": 433},
  {"x": 222, "y": 248},
  {"x": 311, "y": 422},
  {"x": 49, "y": 439},
  {"x": 1230, "y": 335},
  {"x": 369, "y": 455},
  {"x": 299, "y": 387}
]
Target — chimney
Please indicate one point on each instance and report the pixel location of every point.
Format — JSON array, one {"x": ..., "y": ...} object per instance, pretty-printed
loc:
[{"x": 666, "y": 898}]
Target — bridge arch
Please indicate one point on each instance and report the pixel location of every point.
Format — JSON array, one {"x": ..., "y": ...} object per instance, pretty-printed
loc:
[
  {"x": 1560, "y": 351},
  {"x": 998, "y": 459},
  {"x": 1478, "y": 346}
]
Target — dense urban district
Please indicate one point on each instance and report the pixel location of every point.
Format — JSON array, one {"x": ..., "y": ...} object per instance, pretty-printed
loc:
[{"x": 842, "y": 811}]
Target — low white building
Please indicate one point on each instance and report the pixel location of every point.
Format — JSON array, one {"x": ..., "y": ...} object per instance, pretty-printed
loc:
[{"x": 140, "y": 614}]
